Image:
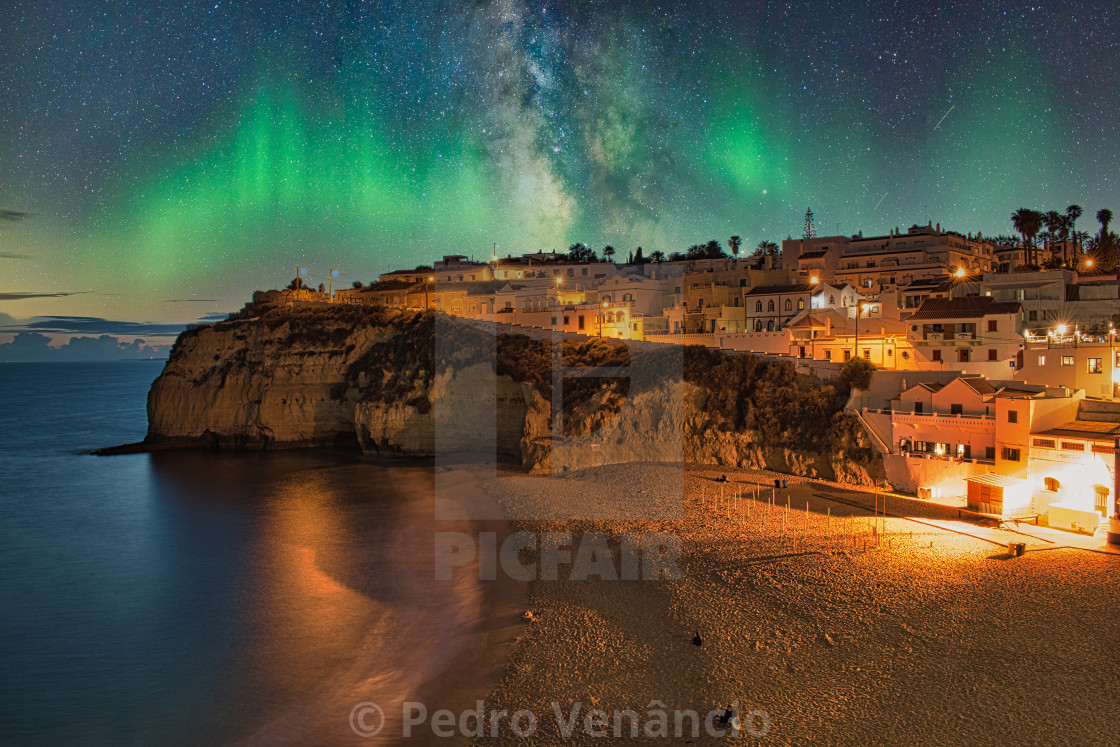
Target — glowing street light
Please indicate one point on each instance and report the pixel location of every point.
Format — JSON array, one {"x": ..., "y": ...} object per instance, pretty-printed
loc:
[
  {"x": 961, "y": 272},
  {"x": 601, "y": 321},
  {"x": 1061, "y": 330},
  {"x": 431, "y": 279}
]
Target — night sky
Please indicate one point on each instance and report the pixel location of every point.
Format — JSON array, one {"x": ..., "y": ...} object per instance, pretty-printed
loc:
[{"x": 167, "y": 156}]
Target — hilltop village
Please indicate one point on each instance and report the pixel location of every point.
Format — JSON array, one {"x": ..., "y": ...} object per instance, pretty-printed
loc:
[{"x": 997, "y": 377}]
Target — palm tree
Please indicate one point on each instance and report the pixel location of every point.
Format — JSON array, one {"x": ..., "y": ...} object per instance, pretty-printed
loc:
[
  {"x": 1053, "y": 220},
  {"x": 1073, "y": 212},
  {"x": 608, "y": 252},
  {"x": 1104, "y": 217},
  {"x": 735, "y": 242},
  {"x": 1028, "y": 222},
  {"x": 657, "y": 256},
  {"x": 766, "y": 247}
]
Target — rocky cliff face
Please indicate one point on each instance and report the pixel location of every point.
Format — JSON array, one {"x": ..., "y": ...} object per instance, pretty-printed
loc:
[{"x": 403, "y": 382}]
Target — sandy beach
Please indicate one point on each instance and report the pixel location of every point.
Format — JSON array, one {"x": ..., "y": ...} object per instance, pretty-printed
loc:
[{"x": 841, "y": 627}]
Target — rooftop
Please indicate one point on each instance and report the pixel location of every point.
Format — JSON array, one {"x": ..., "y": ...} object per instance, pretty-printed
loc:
[{"x": 969, "y": 307}]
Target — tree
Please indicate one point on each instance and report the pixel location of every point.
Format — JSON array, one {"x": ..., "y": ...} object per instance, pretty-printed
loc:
[
  {"x": 638, "y": 258},
  {"x": 1073, "y": 212},
  {"x": 676, "y": 256},
  {"x": 856, "y": 374},
  {"x": 711, "y": 250},
  {"x": 356, "y": 284},
  {"x": 768, "y": 248},
  {"x": 580, "y": 252},
  {"x": 608, "y": 253},
  {"x": 735, "y": 242},
  {"x": 1028, "y": 223},
  {"x": 1104, "y": 217},
  {"x": 656, "y": 255},
  {"x": 810, "y": 231}
]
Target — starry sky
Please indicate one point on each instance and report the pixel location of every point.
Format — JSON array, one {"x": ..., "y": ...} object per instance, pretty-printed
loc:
[{"x": 162, "y": 160}]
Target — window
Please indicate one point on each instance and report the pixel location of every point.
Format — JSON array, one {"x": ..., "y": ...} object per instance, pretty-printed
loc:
[
  {"x": 566, "y": 320},
  {"x": 758, "y": 306},
  {"x": 1011, "y": 455},
  {"x": 1051, "y": 484},
  {"x": 1042, "y": 360},
  {"x": 993, "y": 355},
  {"x": 1043, "y": 443},
  {"x": 789, "y": 305},
  {"x": 989, "y": 452},
  {"x": 581, "y": 321},
  {"x": 1032, "y": 316},
  {"x": 553, "y": 321},
  {"x": 919, "y": 406},
  {"x": 962, "y": 355},
  {"x": 584, "y": 272},
  {"x": 832, "y": 301},
  {"x": 770, "y": 305},
  {"x": 993, "y": 325},
  {"x": 800, "y": 304},
  {"x": 867, "y": 354},
  {"x": 757, "y": 325},
  {"x": 956, "y": 409},
  {"x": 1095, "y": 365},
  {"x": 1073, "y": 446},
  {"x": 800, "y": 351},
  {"x": 828, "y": 355},
  {"x": 936, "y": 355},
  {"x": 1012, "y": 416},
  {"x": 1102, "y": 449},
  {"x": 1067, "y": 360},
  {"x": 847, "y": 355}
]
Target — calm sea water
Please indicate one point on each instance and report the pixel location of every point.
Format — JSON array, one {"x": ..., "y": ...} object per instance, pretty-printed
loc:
[{"x": 199, "y": 597}]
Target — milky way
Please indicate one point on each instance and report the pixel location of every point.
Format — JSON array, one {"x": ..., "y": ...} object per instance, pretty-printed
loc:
[{"x": 209, "y": 148}]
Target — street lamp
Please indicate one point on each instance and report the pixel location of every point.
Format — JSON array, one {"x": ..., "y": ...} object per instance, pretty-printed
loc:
[
  {"x": 601, "y": 321},
  {"x": 431, "y": 279}
]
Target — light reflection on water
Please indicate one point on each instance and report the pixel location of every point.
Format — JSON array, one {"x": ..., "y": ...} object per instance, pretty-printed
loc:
[{"x": 199, "y": 597}]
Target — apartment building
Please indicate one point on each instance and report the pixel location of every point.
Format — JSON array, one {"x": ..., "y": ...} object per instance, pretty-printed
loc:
[{"x": 974, "y": 334}]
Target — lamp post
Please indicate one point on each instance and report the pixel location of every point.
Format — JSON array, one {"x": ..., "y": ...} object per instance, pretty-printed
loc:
[
  {"x": 959, "y": 274},
  {"x": 431, "y": 278},
  {"x": 601, "y": 321}
]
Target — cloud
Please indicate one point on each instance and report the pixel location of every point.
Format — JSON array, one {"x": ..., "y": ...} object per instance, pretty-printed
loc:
[
  {"x": 13, "y": 215},
  {"x": 88, "y": 325},
  {"x": 28, "y": 347},
  {"x": 214, "y": 316},
  {"x": 14, "y": 255},
  {"x": 191, "y": 300},
  {"x": 21, "y": 295}
]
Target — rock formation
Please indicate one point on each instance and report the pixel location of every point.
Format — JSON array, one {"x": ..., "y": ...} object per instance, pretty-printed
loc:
[{"x": 411, "y": 383}]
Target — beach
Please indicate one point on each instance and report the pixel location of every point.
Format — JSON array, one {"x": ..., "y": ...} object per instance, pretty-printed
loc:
[{"x": 828, "y": 625}]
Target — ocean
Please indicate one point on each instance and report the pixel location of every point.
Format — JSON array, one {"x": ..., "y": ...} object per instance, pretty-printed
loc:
[{"x": 201, "y": 597}]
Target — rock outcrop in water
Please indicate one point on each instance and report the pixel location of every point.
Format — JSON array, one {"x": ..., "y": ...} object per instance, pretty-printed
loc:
[{"x": 414, "y": 383}]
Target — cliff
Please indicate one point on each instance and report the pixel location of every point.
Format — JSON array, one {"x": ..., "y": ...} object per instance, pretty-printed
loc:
[{"x": 420, "y": 384}]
